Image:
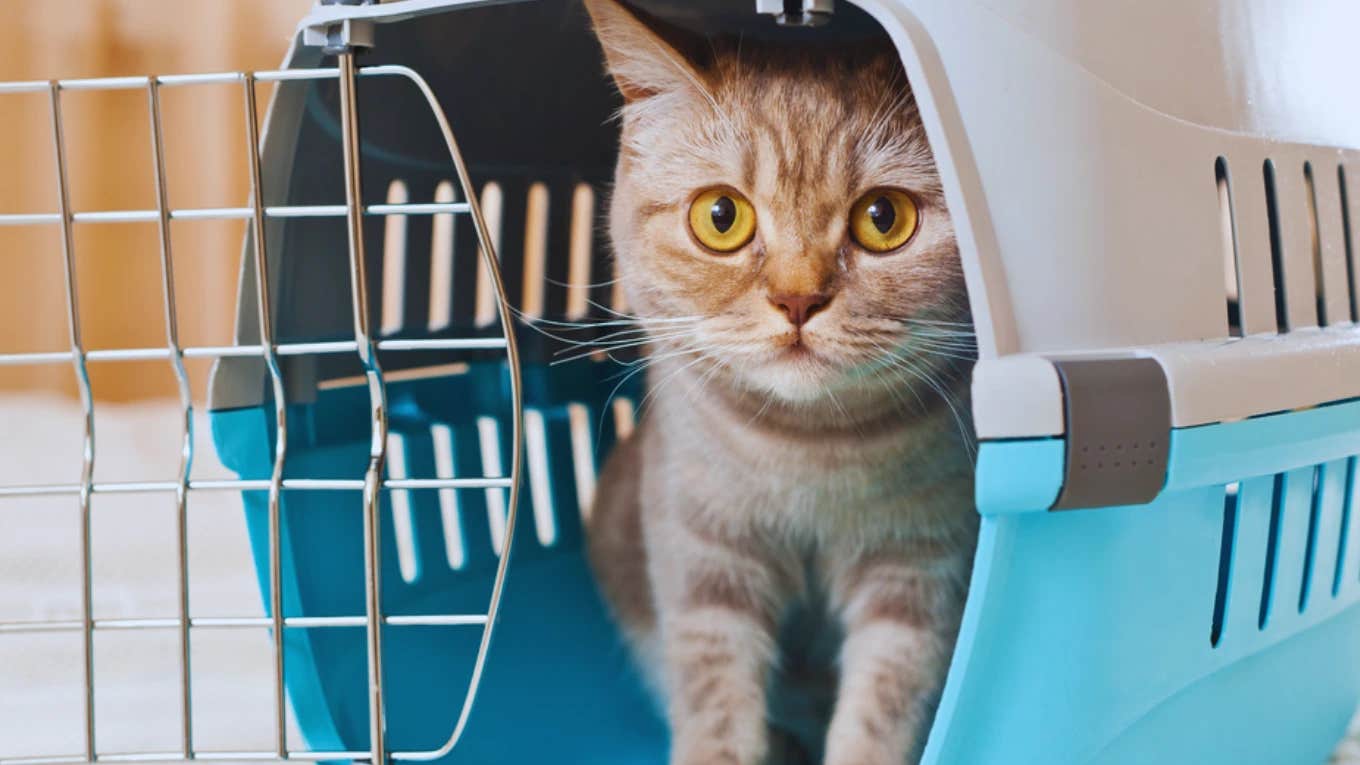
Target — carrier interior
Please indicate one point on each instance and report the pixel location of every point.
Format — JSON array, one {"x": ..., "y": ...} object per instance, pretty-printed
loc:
[{"x": 527, "y": 97}]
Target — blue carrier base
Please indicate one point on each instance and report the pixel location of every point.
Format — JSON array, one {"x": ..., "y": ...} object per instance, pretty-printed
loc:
[
  {"x": 558, "y": 685},
  {"x": 1216, "y": 625},
  {"x": 1116, "y": 635}
]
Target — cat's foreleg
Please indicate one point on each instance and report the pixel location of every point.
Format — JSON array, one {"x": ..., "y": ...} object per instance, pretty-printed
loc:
[
  {"x": 893, "y": 661},
  {"x": 718, "y": 637}
]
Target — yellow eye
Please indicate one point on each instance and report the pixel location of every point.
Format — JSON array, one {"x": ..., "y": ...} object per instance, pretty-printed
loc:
[
  {"x": 883, "y": 220},
  {"x": 722, "y": 220}
]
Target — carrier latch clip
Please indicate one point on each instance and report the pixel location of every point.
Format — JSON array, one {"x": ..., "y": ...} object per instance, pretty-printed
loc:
[{"x": 1118, "y": 428}]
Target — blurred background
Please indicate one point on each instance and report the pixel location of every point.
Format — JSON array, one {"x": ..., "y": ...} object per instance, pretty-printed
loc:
[
  {"x": 137, "y": 417},
  {"x": 108, "y": 144}
]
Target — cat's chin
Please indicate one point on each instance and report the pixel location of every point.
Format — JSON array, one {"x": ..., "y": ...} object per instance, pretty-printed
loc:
[{"x": 795, "y": 374}]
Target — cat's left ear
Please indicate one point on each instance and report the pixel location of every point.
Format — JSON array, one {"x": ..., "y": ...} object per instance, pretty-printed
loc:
[{"x": 646, "y": 56}]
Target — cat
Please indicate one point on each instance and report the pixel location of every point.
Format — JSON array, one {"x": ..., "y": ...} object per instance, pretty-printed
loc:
[{"x": 801, "y": 474}]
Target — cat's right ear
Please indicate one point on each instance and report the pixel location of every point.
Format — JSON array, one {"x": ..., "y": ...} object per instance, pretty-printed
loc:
[{"x": 645, "y": 56}]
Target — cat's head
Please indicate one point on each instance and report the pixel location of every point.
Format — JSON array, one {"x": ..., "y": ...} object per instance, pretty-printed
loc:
[{"x": 777, "y": 215}]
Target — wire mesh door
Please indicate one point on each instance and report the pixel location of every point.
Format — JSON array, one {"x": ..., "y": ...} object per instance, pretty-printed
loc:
[{"x": 366, "y": 492}]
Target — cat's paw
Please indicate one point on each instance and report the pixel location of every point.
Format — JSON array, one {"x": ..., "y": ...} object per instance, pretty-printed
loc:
[
  {"x": 721, "y": 750},
  {"x": 716, "y": 754},
  {"x": 865, "y": 750}
]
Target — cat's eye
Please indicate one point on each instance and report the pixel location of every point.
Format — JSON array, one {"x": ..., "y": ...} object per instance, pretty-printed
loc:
[
  {"x": 722, "y": 220},
  {"x": 883, "y": 220}
]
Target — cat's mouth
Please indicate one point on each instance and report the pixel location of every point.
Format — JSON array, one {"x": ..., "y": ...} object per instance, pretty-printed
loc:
[
  {"x": 796, "y": 367},
  {"x": 797, "y": 350},
  {"x": 794, "y": 346}
]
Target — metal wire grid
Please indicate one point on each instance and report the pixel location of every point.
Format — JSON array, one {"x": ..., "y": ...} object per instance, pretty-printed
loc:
[{"x": 364, "y": 345}]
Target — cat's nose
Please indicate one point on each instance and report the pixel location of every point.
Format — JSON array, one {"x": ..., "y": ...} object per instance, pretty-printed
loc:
[{"x": 800, "y": 307}]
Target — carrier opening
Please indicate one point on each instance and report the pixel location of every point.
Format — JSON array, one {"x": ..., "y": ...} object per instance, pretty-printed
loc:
[{"x": 535, "y": 116}]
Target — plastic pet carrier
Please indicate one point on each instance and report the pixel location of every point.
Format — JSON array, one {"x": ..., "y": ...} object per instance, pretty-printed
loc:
[{"x": 1152, "y": 207}]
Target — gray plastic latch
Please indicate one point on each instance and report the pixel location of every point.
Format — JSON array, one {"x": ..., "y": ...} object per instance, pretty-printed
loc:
[
  {"x": 1118, "y": 425},
  {"x": 797, "y": 13}
]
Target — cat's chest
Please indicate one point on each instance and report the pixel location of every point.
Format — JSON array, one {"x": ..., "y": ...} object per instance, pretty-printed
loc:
[
  {"x": 771, "y": 471},
  {"x": 880, "y": 484}
]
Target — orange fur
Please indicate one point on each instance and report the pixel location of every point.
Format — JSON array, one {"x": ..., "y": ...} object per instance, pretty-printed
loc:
[{"x": 778, "y": 468}]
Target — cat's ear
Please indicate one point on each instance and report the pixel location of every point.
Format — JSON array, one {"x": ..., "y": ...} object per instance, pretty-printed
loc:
[{"x": 644, "y": 55}]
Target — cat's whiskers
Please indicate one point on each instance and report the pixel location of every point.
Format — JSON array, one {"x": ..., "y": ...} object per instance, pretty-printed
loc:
[
  {"x": 589, "y": 285},
  {"x": 622, "y": 328},
  {"x": 588, "y": 348},
  {"x": 764, "y": 407},
  {"x": 908, "y": 366},
  {"x": 647, "y": 361},
  {"x": 656, "y": 386}
]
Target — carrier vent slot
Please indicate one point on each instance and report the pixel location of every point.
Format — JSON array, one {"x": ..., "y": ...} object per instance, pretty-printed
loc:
[
  {"x": 394, "y": 261},
  {"x": 582, "y": 456},
  {"x": 444, "y": 460},
  {"x": 624, "y": 418},
  {"x": 533, "y": 300},
  {"x": 1310, "y": 551},
  {"x": 1231, "y": 504},
  {"x": 1315, "y": 240},
  {"x": 1344, "y": 536},
  {"x": 403, "y": 527},
  {"x": 1232, "y": 266},
  {"x": 441, "y": 261},
  {"x": 1352, "y": 286},
  {"x": 540, "y": 482},
  {"x": 1276, "y": 248},
  {"x": 489, "y": 438},
  {"x": 1272, "y": 550},
  {"x": 618, "y": 303},
  {"x": 493, "y": 207},
  {"x": 579, "y": 254}
]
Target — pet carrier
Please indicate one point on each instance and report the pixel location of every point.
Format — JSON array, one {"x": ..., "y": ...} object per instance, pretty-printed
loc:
[{"x": 1152, "y": 207}]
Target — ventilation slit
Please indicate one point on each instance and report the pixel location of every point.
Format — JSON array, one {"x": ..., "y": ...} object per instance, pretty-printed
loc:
[
  {"x": 403, "y": 529},
  {"x": 1231, "y": 502},
  {"x": 441, "y": 261},
  {"x": 624, "y": 418},
  {"x": 1276, "y": 248},
  {"x": 1319, "y": 283},
  {"x": 617, "y": 300},
  {"x": 454, "y": 549},
  {"x": 540, "y": 488},
  {"x": 582, "y": 457},
  {"x": 578, "y": 269},
  {"x": 1346, "y": 503},
  {"x": 1232, "y": 267},
  {"x": 489, "y": 436},
  {"x": 1353, "y": 287},
  {"x": 394, "y": 261},
  {"x": 1272, "y": 549},
  {"x": 493, "y": 204},
  {"x": 1310, "y": 552},
  {"x": 535, "y": 250}
]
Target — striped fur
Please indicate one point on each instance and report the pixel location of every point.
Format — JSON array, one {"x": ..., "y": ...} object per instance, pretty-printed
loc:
[{"x": 778, "y": 471}]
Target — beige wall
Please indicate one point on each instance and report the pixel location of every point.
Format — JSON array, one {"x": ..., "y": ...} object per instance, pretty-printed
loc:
[{"x": 108, "y": 142}]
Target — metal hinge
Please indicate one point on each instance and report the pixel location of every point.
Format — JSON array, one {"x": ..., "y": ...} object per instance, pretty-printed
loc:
[
  {"x": 797, "y": 13},
  {"x": 344, "y": 35},
  {"x": 1118, "y": 428}
]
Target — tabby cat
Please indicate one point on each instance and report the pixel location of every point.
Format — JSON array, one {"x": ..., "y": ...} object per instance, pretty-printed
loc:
[{"x": 786, "y": 538}]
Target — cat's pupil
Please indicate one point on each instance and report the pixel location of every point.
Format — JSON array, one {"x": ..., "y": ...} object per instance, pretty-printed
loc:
[
  {"x": 882, "y": 215},
  {"x": 724, "y": 214}
]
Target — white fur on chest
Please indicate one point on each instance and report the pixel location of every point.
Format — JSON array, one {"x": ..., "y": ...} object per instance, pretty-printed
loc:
[{"x": 892, "y": 484}]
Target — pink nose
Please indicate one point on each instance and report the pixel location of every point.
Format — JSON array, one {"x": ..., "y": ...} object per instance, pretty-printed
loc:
[{"x": 800, "y": 308}]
